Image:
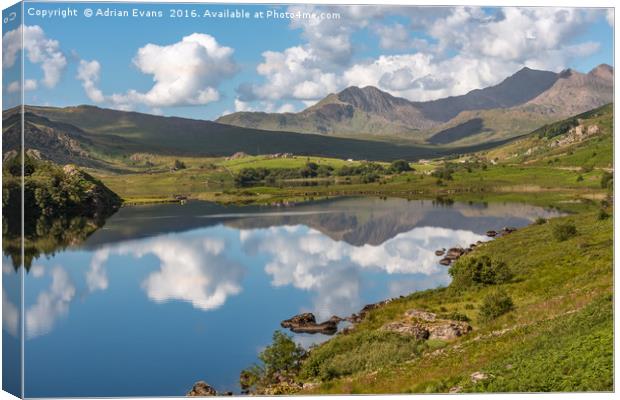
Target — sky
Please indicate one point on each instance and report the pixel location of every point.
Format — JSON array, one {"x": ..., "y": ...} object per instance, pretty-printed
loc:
[{"x": 181, "y": 60}]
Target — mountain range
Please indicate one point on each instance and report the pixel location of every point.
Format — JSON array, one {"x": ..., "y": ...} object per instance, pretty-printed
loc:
[
  {"x": 517, "y": 105},
  {"x": 358, "y": 123}
]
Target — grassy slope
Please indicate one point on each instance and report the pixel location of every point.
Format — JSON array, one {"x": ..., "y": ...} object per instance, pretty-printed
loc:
[
  {"x": 117, "y": 133},
  {"x": 558, "y": 338}
]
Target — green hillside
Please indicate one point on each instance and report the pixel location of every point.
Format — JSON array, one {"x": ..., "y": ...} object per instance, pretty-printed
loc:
[{"x": 113, "y": 133}]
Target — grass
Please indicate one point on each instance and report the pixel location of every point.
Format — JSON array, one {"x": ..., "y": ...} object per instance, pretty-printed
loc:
[{"x": 558, "y": 336}]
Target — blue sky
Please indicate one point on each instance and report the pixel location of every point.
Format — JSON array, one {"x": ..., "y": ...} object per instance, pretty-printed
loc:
[{"x": 205, "y": 67}]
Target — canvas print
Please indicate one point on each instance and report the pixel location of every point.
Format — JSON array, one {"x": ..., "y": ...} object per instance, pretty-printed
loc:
[{"x": 249, "y": 199}]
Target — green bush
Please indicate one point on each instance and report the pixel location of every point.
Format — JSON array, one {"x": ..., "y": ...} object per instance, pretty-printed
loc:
[
  {"x": 540, "y": 221},
  {"x": 607, "y": 180},
  {"x": 472, "y": 271},
  {"x": 399, "y": 166},
  {"x": 281, "y": 359},
  {"x": 602, "y": 215},
  {"x": 564, "y": 231},
  {"x": 495, "y": 304}
]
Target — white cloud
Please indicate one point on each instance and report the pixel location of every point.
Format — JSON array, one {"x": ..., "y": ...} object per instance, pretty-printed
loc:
[
  {"x": 10, "y": 315},
  {"x": 13, "y": 87},
  {"x": 193, "y": 270},
  {"x": 242, "y": 106},
  {"x": 37, "y": 271},
  {"x": 287, "y": 108},
  {"x": 393, "y": 36},
  {"x": 332, "y": 270},
  {"x": 39, "y": 50},
  {"x": 185, "y": 73},
  {"x": 467, "y": 48},
  {"x": 609, "y": 15},
  {"x": 51, "y": 304},
  {"x": 96, "y": 275},
  {"x": 88, "y": 74}
]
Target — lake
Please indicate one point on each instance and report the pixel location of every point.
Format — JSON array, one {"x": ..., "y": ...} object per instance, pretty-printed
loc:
[{"x": 165, "y": 295}]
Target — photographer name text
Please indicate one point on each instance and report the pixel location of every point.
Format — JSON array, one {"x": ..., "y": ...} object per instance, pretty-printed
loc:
[{"x": 176, "y": 13}]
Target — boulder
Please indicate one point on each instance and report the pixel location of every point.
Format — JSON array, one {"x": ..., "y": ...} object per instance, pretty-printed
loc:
[
  {"x": 440, "y": 253},
  {"x": 491, "y": 233},
  {"x": 201, "y": 389},
  {"x": 448, "y": 330},
  {"x": 426, "y": 325},
  {"x": 415, "y": 330}
]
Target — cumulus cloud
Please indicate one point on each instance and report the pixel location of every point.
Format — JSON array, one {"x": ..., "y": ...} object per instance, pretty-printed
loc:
[
  {"x": 186, "y": 73},
  {"x": 39, "y": 49},
  {"x": 464, "y": 48},
  {"x": 51, "y": 304},
  {"x": 393, "y": 36},
  {"x": 88, "y": 74},
  {"x": 609, "y": 15},
  {"x": 96, "y": 275},
  {"x": 10, "y": 315},
  {"x": 193, "y": 270}
]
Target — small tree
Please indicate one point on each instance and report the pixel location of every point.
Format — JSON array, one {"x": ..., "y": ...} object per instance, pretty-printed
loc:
[
  {"x": 280, "y": 361},
  {"x": 399, "y": 166},
  {"x": 482, "y": 270}
]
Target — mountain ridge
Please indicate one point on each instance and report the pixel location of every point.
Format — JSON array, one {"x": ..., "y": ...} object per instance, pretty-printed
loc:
[{"x": 369, "y": 111}]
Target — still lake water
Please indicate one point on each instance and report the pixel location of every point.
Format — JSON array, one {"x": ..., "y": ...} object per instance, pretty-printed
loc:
[{"x": 166, "y": 295}]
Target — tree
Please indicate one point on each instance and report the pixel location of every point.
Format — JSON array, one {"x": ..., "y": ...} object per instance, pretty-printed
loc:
[
  {"x": 280, "y": 361},
  {"x": 399, "y": 166}
]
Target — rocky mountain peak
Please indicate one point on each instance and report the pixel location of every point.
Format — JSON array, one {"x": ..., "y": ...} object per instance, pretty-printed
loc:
[{"x": 603, "y": 71}]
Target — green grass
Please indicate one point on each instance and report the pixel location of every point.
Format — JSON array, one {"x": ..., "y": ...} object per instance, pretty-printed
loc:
[{"x": 558, "y": 337}]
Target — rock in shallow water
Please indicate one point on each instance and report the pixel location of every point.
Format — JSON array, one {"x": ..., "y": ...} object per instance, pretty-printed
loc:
[{"x": 306, "y": 323}]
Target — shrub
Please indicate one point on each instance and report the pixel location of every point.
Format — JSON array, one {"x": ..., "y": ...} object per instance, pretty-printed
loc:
[
  {"x": 564, "y": 231},
  {"x": 280, "y": 359},
  {"x": 471, "y": 271},
  {"x": 540, "y": 221},
  {"x": 580, "y": 178},
  {"x": 602, "y": 215},
  {"x": 179, "y": 164},
  {"x": 495, "y": 304},
  {"x": 369, "y": 177},
  {"x": 607, "y": 180},
  {"x": 399, "y": 166}
]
